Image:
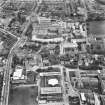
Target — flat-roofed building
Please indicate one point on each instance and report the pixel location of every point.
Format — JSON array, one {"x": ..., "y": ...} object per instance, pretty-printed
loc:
[
  {"x": 67, "y": 47},
  {"x": 18, "y": 76},
  {"x": 50, "y": 88}
]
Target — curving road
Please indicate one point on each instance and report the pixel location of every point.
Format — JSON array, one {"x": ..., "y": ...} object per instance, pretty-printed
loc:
[{"x": 8, "y": 69}]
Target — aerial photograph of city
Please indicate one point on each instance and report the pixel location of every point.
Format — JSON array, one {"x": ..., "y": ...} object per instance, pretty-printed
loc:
[{"x": 52, "y": 52}]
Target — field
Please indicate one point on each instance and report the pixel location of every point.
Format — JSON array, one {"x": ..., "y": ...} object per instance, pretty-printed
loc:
[{"x": 23, "y": 96}]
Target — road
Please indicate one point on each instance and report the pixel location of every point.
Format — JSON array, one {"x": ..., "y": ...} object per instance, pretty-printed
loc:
[
  {"x": 8, "y": 70},
  {"x": 6, "y": 84},
  {"x": 7, "y": 32}
]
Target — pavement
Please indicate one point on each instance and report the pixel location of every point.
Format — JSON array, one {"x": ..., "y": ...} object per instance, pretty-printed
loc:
[
  {"x": 8, "y": 69},
  {"x": 7, "y": 72}
]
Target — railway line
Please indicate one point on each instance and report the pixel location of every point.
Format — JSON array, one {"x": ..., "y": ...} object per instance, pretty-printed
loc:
[{"x": 8, "y": 69}]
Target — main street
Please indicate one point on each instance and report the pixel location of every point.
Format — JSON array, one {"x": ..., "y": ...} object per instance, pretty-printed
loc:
[{"x": 8, "y": 69}]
